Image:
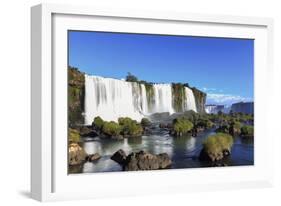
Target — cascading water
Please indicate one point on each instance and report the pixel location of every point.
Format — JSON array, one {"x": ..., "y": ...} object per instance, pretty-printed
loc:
[
  {"x": 190, "y": 103},
  {"x": 112, "y": 98}
]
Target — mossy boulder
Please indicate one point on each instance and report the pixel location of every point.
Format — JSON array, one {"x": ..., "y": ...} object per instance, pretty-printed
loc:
[
  {"x": 181, "y": 126},
  {"x": 73, "y": 135},
  {"x": 130, "y": 127},
  {"x": 204, "y": 123},
  {"x": 111, "y": 129},
  {"x": 145, "y": 122},
  {"x": 247, "y": 131},
  {"x": 223, "y": 129},
  {"x": 235, "y": 128},
  {"x": 98, "y": 123},
  {"x": 216, "y": 147}
]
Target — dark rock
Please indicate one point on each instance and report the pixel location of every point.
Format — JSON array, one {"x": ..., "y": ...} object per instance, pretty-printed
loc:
[
  {"x": 205, "y": 156},
  {"x": 119, "y": 157},
  {"x": 163, "y": 125},
  {"x": 87, "y": 132},
  {"x": 142, "y": 160},
  {"x": 76, "y": 154},
  {"x": 93, "y": 157}
]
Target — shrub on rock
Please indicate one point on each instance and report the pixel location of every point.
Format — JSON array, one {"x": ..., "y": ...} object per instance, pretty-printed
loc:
[
  {"x": 73, "y": 135},
  {"x": 111, "y": 129},
  {"x": 98, "y": 123},
  {"x": 181, "y": 126},
  {"x": 145, "y": 122},
  {"x": 235, "y": 127},
  {"x": 216, "y": 147},
  {"x": 247, "y": 131},
  {"x": 130, "y": 127}
]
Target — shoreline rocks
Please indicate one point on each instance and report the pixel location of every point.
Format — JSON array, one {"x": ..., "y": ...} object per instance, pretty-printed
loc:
[
  {"x": 93, "y": 157},
  {"x": 213, "y": 157},
  {"x": 141, "y": 160},
  {"x": 76, "y": 154}
]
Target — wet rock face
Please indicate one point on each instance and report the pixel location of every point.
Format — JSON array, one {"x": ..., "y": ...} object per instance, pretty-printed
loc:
[
  {"x": 200, "y": 99},
  {"x": 213, "y": 157},
  {"x": 93, "y": 157},
  {"x": 141, "y": 160},
  {"x": 119, "y": 157},
  {"x": 76, "y": 154}
]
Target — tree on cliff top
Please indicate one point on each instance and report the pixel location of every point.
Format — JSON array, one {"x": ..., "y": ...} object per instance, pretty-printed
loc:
[{"x": 131, "y": 78}]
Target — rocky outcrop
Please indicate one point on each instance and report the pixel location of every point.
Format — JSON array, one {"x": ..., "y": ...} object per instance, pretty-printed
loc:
[
  {"x": 93, "y": 157},
  {"x": 200, "y": 99},
  {"x": 119, "y": 157},
  {"x": 213, "y": 157},
  {"x": 76, "y": 92},
  {"x": 76, "y": 154},
  {"x": 141, "y": 160}
]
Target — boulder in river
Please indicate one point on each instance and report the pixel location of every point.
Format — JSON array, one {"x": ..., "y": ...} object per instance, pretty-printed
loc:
[
  {"x": 76, "y": 154},
  {"x": 141, "y": 160},
  {"x": 93, "y": 157},
  {"x": 119, "y": 157}
]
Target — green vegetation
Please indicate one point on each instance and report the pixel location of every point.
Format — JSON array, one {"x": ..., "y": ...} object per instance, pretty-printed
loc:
[
  {"x": 125, "y": 127},
  {"x": 111, "y": 129},
  {"x": 235, "y": 127},
  {"x": 73, "y": 135},
  {"x": 247, "y": 131},
  {"x": 131, "y": 78},
  {"x": 217, "y": 143},
  {"x": 181, "y": 126},
  {"x": 200, "y": 99},
  {"x": 130, "y": 127},
  {"x": 145, "y": 122},
  {"x": 178, "y": 93},
  {"x": 150, "y": 95},
  {"x": 205, "y": 123},
  {"x": 98, "y": 123},
  {"x": 76, "y": 90}
]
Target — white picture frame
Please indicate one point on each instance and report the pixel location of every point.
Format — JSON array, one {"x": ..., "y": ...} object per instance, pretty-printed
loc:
[{"x": 49, "y": 179}]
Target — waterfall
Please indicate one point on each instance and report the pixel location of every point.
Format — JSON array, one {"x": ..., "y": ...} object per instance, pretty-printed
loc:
[
  {"x": 112, "y": 98},
  {"x": 190, "y": 103}
]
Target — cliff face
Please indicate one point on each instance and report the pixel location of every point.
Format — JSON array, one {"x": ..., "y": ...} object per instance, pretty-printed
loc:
[
  {"x": 76, "y": 93},
  {"x": 200, "y": 99},
  {"x": 181, "y": 98}
]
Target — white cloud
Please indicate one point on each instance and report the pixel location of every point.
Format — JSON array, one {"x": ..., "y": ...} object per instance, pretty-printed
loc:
[
  {"x": 225, "y": 99},
  {"x": 205, "y": 89}
]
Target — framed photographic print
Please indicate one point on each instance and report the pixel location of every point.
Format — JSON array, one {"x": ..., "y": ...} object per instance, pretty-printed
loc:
[{"x": 154, "y": 102}]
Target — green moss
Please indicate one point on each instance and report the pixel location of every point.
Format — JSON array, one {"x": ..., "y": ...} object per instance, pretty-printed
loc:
[
  {"x": 235, "y": 127},
  {"x": 111, "y": 128},
  {"x": 205, "y": 123},
  {"x": 76, "y": 92},
  {"x": 223, "y": 129},
  {"x": 98, "y": 123},
  {"x": 73, "y": 135},
  {"x": 181, "y": 126},
  {"x": 150, "y": 95},
  {"x": 247, "y": 131},
  {"x": 200, "y": 100},
  {"x": 130, "y": 127},
  {"x": 145, "y": 122},
  {"x": 178, "y": 94},
  {"x": 217, "y": 143}
]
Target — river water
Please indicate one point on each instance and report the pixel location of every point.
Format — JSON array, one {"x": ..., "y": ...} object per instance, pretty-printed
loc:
[{"x": 184, "y": 151}]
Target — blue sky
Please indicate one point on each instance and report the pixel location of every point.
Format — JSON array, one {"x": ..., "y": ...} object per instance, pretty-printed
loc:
[{"x": 221, "y": 67}]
